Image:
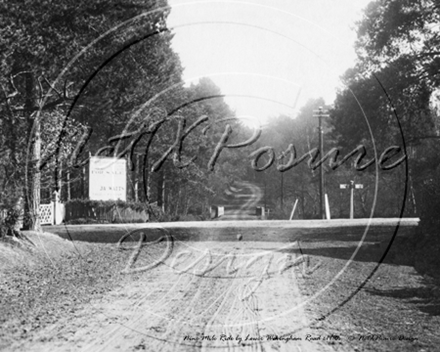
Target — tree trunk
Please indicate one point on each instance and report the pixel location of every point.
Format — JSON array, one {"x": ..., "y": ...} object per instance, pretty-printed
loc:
[
  {"x": 33, "y": 181},
  {"x": 148, "y": 187},
  {"x": 265, "y": 192},
  {"x": 282, "y": 193},
  {"x": 33, "y": 174},
  {"x": 187, "y": 205},
  {"x": 163, "y": 193},
  {"x": 68, "y": 185},
  {"x": 136, "y": 179},
  {"x": 146, "y": 180},
  {"x": 179, "y": 200},
  {"x": 36, "y": 176},
  {"x": 160, "y": 189},
  {"x": 83, "y": 183},
  {"x": 60, "y": 179}
]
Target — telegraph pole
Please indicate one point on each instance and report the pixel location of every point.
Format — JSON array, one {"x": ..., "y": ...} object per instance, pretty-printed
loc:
[{"x": 320, "y": 113}]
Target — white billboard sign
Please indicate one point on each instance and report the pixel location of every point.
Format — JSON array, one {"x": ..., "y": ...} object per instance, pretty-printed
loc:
[{"x": 107, "y": 178}]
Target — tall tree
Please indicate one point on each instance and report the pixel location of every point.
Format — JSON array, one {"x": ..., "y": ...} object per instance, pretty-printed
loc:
[
  {"x": 391, "y": 87},
  {"x": 38, "y": 40},
  {"x": 393, "y": 30}
]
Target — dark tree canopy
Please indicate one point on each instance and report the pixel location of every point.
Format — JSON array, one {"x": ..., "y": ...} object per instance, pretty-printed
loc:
[{"x": 392, "y": 87}]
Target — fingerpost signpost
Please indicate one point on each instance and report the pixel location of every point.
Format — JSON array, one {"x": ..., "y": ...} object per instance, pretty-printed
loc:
[{"x": 352, "y": 186}]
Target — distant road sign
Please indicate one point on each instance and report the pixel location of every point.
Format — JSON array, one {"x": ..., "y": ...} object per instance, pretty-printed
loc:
[
  {"x": 320, "y": 113},
  {"x": 352, "y": 186}
]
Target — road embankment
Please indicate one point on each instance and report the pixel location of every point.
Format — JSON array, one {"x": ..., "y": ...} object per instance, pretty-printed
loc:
[{"x": 378, "y": 229}]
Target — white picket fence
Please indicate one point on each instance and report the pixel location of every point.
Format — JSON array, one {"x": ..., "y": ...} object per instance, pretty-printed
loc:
[
  {"x": 52, "y": 213},
  {"x": 47, "y": 214}
]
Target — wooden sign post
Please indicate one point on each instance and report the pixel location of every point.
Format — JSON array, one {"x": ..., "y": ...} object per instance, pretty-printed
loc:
[{"x": 352, "y": 186}]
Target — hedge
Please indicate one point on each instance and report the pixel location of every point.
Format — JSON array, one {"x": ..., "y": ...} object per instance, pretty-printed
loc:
[{"x": 95, "y": 211}]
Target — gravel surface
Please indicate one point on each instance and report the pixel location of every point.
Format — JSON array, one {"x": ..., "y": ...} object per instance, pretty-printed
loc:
[
  {"x": 66, "y": 297},
  {"x": 232, "y": 286},
  {"x": 377, "y": 308}
]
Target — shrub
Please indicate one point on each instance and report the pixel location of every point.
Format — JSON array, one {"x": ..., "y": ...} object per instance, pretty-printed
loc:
[
  {"x": 428, "y": 199},
  {"x": 82, "y": 211},
  {"x": 11, "y": 212}
]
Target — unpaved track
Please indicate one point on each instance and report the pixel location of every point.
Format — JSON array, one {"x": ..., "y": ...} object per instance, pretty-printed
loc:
[
  {"x": 216, "y": 295},
  {"x": 246, "y": 198},
  {"x": 213, "y": 292},
  {"x": 155, "y": 310}
]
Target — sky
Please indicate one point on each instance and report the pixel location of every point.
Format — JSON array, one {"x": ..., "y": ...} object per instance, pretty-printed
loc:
[{"x": 269, "y": 57}]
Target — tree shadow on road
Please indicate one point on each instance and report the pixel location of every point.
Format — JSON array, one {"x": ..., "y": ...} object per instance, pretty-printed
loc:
[
  {"x": 372, "y": 252},
  {"x": 425, "y": 297}
]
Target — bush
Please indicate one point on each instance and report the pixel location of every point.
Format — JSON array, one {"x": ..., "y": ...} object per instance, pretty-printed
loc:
[
  {"x": 11, "y": 212},
  {"x": 427, "y": 259},
  {"x": 277, "y": 213},
  {"x": 428, "y": 200},
  {"x": 191, "y": 217},
  {"x": 85, "y": 211},
  {"x": 81, "y": 221}
]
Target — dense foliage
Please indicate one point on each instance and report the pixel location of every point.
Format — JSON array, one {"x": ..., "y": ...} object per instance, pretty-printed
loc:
[
  {"x": 81, "y": 79},
  {"x": 393, "y": 89}
]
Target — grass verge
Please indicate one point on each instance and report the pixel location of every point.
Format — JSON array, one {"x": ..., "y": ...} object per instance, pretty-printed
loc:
[{"x": 41, "y": 283}]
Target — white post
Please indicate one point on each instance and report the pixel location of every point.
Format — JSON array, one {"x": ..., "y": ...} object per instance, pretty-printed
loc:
[
  {"x": 352, "y": 200},
  {"x": 327, "y": 208},
  {"x": 293, "y": 210},
  {"x": 352, "y": 187}
]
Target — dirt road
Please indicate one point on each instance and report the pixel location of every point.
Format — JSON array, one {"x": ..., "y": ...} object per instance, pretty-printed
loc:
[
  {"x": 242, "y": 200},
  {"x": 213, "y": 295},
  {"x": 324, "y": 293},
  {"x": 236, "y": 295},
  {"x": 201, "y": 296}
]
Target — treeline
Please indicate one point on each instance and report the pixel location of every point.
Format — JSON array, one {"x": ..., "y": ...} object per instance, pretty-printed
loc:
[
  {"x": 173, "y": 155},
  {"x": 290, "y": 150},
  {"x": 81, "y": 79},
  {"x": 390, "y": 98}
]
